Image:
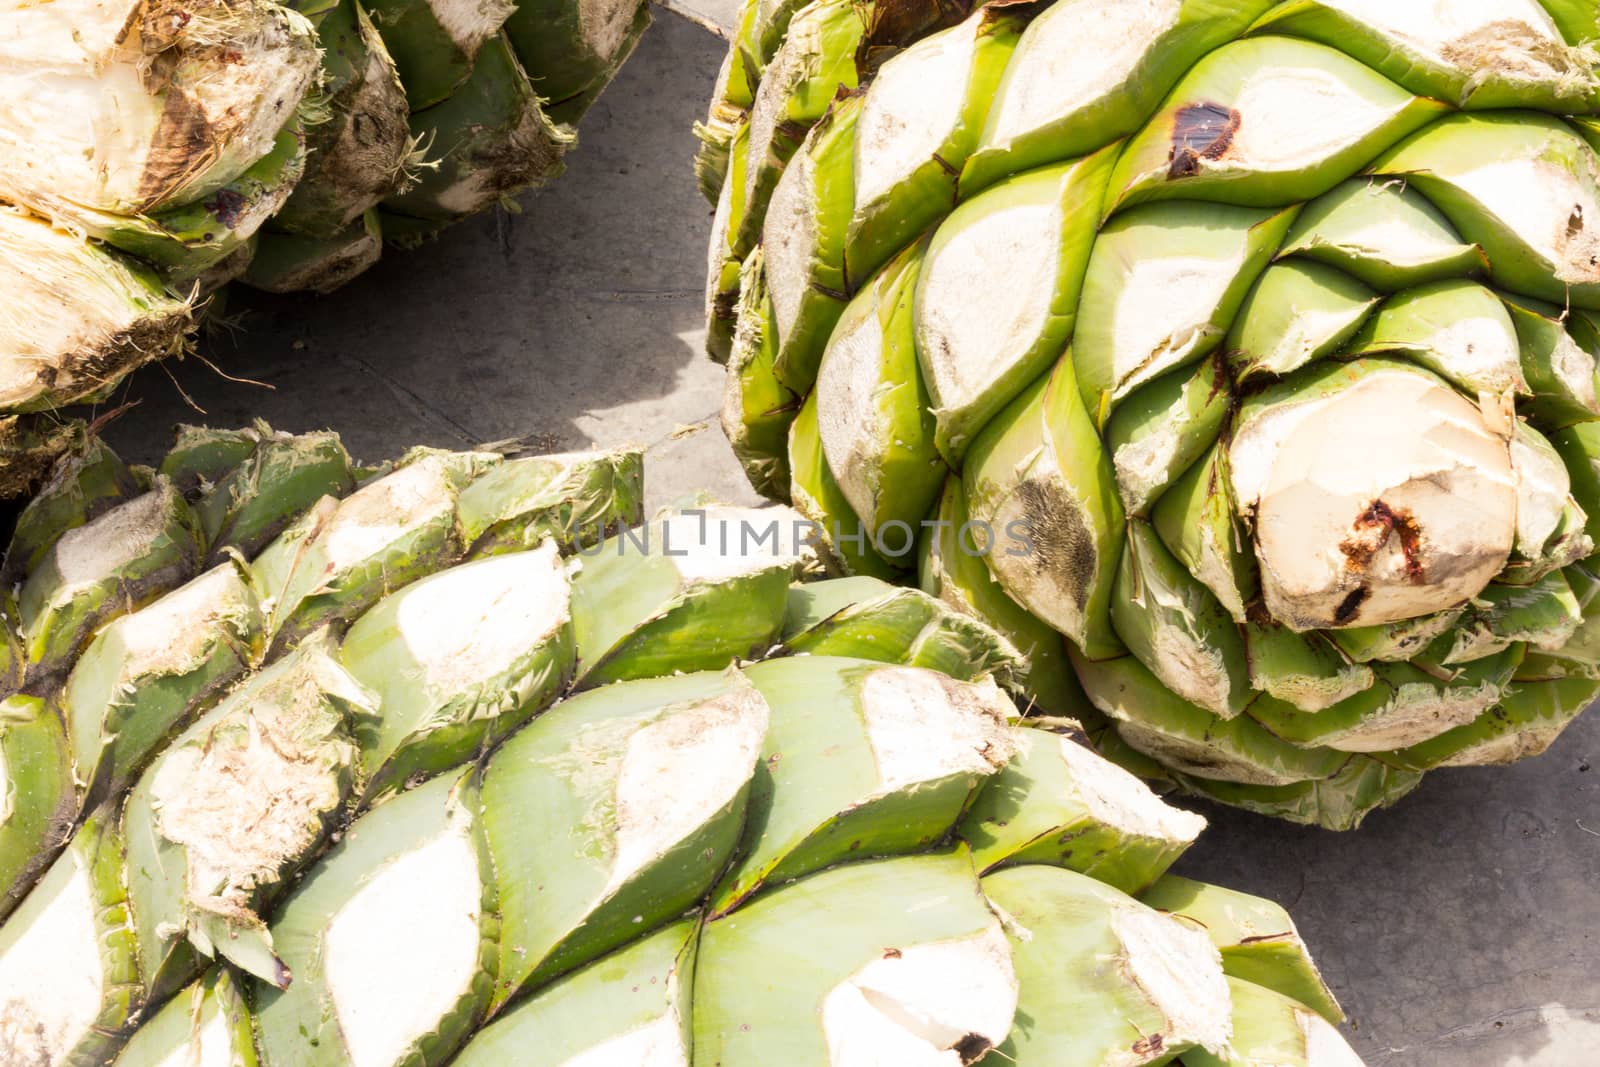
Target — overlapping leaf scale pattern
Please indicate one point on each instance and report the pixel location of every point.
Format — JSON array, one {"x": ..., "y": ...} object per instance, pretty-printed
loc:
[
  {"x": 310, "y": 764},
  {"x": 1250, "y": 346}
]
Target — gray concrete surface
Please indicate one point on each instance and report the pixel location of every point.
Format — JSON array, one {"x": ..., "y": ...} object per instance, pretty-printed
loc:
[{"x": 1461, "y": 929}]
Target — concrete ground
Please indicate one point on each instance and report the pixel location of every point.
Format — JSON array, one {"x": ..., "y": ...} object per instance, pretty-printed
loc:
[{"x": 1461, "y": 929}]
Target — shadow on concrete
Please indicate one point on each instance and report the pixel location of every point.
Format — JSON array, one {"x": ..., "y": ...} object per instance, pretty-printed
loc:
[
  {"x": 575, "y": 322},
  {"x": 1457, "y": 928}
]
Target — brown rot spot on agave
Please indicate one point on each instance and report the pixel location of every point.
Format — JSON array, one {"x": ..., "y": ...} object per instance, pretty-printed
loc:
[
  {"x": 1351, "y": 604},
  {"x": 183, "y": 137},
  {"x": 973, "y": 1047},
  {"x": 228, "y": 206},
  {"x": 1149, "y": 1046},
  {"x": 1200, "y": 131},
  {"x": 1372, "y": 530},
  {"x": 1062, "y": 547},
  {"x": 1221, "y": 379},
  {"x": 891, "y": 953}
]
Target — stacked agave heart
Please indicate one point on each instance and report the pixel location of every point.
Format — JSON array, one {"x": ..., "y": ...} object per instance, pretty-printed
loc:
[
  {"x": 308, "y": 765},
  {"x": 148, "y": 147},
  {"x": 1251, "y": 346}
]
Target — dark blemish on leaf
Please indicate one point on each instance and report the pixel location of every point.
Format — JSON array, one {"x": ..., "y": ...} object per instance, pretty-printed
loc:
[
  {"x": 891, "y": 953},
  {"x": 973, "y": 1047},
  {"x": 228, "y": 206},
  {"x": 1063, "y": 547},
  {"x": 1351, "y": 604},
  {"x": 1149, "y": 1046},
  {"x": 1200, "y": 131}
]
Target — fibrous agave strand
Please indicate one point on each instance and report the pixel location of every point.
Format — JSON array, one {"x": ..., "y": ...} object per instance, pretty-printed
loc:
[
  {"x": 635, "y": 796},
  {"x": 1272, "y": 326}
]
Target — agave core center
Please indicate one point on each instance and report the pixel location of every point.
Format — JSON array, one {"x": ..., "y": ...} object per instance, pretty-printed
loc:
[{"x": 1391, "y": 498}]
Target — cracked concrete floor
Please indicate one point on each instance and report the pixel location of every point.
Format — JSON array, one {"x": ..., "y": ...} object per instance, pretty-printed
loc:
[{"x": 1461, "y": 929}]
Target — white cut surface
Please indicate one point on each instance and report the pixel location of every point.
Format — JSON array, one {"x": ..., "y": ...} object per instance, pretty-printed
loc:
[
  {"x": 210, "y": 1044},
  {"x": 1117, "y": 798},
  {"x": 911, "y": 110},
  {"x": 80, "y": 302},
  {"x": 854, "y": 433},
  {"x": 1431, "y": 28},
  {"x": 924, "y": 726},
  {"x": 375, "y": 516},
  {"x": 789, "y": 66},
  {"x": 1181, "y": 656},
  {"x": 1418, "y": 711},
  {"x": 172, "y": 635},
  {"x": 1164, "y": 310},
  {"x": 1539, "y": 200},
  {"x": 62, "y": 34},
  {"x": 1543, "y": 485},
  {"x": 1143, "y": 465},
  {"x": 964, "y": 348},
  {"x": 1392, "y": 239},
  {"x": 1309, "y": 327},
  {"x": 472, "y": 192},
  {"x": 912, "y": 1008},
  {"x": 1325, "y": 1046},
  {"x": 474, "y": 622},
  {"x": 1313, "y": 691},
  {"x": 1574, "y": 367},
  {"x": 1214, "y": 567},
  {"x": 1481, "y": 349},
  {"x": 604, "y": 24},
  {"x": 1180, "y": 970},
  {"x": 386, "y": 990},
  {"x": 469, "y": 23},
  {"x": 83, "y": 125},
  {"x": 1293, "y": 116},
  {"x": 246, "y": 792},
  {"x": 1512, "y": 747},
  {"x": 1330, "y": 555},
  {"x": 1075, "y": 54},
  {"x": 715, "y": 544},
  {"x": 658, "y": 1043},
  {"x": 526, "y": 148},
  {"x": 789, "y": 240},
  {"x": 91, "y": 552},
  {"x": 699, "y": 757},
  {"x": 51, "y": 977}
]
